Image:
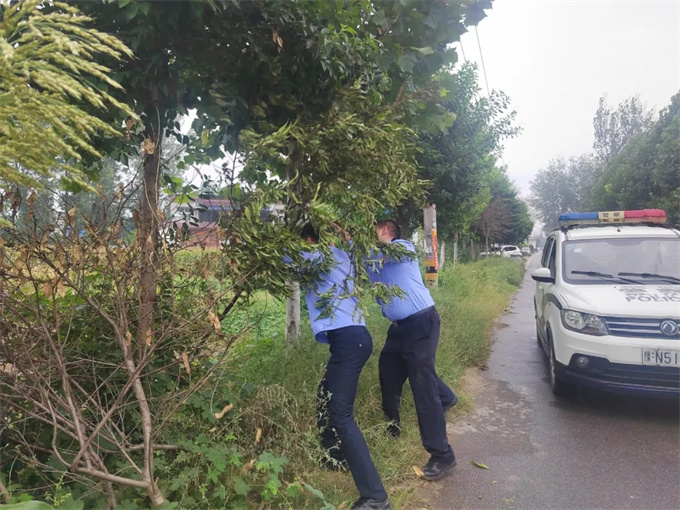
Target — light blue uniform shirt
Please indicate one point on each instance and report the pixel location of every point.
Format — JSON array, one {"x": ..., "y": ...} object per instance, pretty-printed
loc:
[
  {"x": 339, "y": 281},
  {"x": 405, "y": 274}
]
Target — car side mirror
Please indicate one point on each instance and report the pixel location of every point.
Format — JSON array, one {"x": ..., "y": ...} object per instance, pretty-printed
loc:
[{"x": 542, "y": 274}]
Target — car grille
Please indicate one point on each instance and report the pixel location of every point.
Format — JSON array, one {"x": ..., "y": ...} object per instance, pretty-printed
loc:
[
  {"x": 639, "y": 328},
  {"x": 653, "y": 377}
]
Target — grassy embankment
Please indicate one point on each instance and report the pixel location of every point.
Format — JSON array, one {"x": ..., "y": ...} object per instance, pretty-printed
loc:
[{"x": 469, "y": 299}]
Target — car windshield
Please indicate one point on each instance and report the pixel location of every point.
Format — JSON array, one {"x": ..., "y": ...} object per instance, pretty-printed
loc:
[{"x": 622, "y": 261}]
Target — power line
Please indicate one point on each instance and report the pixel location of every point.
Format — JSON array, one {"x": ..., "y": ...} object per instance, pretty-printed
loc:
[
  {"x": 481, "y": 56},
  {"x": 462, "y": 50},
  {"x": 486, "y": 81}
]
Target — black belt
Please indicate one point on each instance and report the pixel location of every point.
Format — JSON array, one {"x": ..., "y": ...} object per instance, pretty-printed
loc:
[{"x": 401, "y": 322}]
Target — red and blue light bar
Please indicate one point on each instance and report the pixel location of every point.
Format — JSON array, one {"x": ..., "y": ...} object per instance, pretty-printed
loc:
[{"x": 595, "y": 218}]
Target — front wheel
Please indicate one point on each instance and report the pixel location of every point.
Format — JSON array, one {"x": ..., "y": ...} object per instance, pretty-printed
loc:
[{"x": 557, "y": 385}]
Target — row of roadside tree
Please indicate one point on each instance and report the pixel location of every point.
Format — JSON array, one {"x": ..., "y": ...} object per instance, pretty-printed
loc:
[{"x": 635, "y": 164}]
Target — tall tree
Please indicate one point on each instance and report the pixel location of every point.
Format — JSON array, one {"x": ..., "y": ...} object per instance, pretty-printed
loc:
[
  {"x": 581, "y": 183},
  {"x": 506, "y": 220},
  {"x": 563, "y": 186},
  {"x": 646, "y": 172},
  {"x": 459, "y": 160},
  {"x": 614, "y": 128},
  {"x": 493, "y": 222}
]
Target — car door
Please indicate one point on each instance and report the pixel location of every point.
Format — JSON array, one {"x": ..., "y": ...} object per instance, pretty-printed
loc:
[{"x": 547, "y": 260}]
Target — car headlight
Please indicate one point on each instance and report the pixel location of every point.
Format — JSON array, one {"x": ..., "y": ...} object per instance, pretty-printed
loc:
[{"x": 583, "y": 323}]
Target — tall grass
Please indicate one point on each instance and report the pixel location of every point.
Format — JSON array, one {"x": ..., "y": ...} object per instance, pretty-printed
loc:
[{"x": 469, "y": 299}]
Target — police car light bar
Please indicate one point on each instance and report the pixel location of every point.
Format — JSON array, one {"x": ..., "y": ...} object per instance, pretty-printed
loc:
[{"x": 594, "y": 218}]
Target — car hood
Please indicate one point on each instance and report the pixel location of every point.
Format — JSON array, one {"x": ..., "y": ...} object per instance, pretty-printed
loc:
[{"x": 651, "y": 301}]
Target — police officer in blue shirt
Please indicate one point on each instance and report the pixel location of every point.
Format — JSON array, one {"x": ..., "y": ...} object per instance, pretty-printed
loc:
[
  {"x": 410, "y": 350},
  {"x": 351, "y": 345}
]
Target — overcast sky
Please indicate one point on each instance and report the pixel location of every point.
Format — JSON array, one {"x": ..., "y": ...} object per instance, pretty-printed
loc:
[{"x": 556, "y": 58}]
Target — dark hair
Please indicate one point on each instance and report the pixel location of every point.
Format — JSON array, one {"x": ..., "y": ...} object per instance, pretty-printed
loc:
[
  {"x": 308, "y": 232},
  {"x": 393, "y": 226}
]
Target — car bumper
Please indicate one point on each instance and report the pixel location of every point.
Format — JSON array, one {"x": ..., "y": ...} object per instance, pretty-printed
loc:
[
  {"x": 615, "y": 364},
  {"x": 628, "y": 379}
]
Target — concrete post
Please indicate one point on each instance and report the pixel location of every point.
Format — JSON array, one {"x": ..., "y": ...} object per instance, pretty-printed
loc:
[{"x": 431, "y": 265}]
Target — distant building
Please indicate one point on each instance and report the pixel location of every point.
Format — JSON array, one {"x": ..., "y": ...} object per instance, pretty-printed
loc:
[
  {"x": 203, "y": 222},
  {"x": 273, "y": 212},
  {"x": 208, "y": 213}
]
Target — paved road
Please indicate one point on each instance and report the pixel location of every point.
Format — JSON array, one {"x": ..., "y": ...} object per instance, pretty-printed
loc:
[{"x": 589, "y": 451}]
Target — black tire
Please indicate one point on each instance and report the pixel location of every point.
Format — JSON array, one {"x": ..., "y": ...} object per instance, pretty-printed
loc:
[
  {"x": 557, "y": 385},
  {"x": 538, "y": 334}
]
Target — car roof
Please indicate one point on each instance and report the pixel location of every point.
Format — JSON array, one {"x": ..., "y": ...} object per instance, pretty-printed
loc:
[{"x": 614, "y": 231}]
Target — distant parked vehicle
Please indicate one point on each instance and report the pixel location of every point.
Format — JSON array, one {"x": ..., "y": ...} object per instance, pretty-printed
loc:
[
  {"x": 510, "y": 250},
  {"x": 526, "y": 251},
  {"x": 494, "y": 251}
]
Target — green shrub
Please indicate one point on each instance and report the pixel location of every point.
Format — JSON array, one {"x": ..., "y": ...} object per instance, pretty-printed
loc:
[
  {"x": 469, "y": 299},
  {"x": 248, "y": 437}
]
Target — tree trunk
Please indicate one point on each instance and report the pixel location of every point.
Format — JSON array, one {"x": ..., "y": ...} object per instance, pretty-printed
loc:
[
  {"x": 4, "y": 493},
  {"x": 111, "y": 499},
  {"x": 455, "y": 248},
  {"x": 293, "y": 217},
  {"x": 155, "y": 494},
  {"x": 147, "y": 237},
  {"x": 293, "y": 316},
  {"x": 486, "y": 238}
]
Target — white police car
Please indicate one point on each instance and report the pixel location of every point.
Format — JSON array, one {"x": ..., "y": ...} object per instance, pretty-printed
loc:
[{"x": 607, "y": 302}]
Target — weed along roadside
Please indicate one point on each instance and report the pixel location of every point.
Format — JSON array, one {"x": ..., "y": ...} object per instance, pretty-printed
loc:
[
  {"x": 248, "y": 438},
  {"x": 275, "y": 390}
]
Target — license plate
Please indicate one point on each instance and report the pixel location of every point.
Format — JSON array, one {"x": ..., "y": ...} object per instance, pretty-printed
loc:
[{"x": 660, "y": 357}]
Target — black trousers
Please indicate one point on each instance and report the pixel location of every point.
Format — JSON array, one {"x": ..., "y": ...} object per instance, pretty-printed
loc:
[
  {"x": 409, "y": 352},
  {"x": 350, "y": 349}
]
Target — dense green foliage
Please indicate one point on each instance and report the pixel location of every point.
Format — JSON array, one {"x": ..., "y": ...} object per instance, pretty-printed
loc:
[
  {"x": 281, "y": 385},
  {"x": 459, "y": 161},
  {"x": 646, "y": 172},
  {"x": 635, "y": 166},
  {"x": 506, "y": 219}
]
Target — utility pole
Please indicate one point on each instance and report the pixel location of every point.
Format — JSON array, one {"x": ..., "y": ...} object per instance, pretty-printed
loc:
[{"x": 431, "y": 266}]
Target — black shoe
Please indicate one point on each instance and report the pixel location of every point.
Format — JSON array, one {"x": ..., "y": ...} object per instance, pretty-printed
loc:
[
  {"x": 448, "y": 406},
  {"x": 371, "y": 504},
  {"x": 393, "y": 430},
  {"x": 435, "y": 469},
  {"x": 332, "y": 464}
]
